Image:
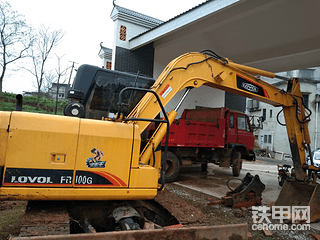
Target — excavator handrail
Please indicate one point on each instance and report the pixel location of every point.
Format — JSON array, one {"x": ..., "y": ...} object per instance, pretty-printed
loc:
[{"x": 149, "y": 120}]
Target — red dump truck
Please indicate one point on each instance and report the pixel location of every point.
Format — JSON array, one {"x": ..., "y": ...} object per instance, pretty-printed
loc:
[{"x": 216, "y": 135}]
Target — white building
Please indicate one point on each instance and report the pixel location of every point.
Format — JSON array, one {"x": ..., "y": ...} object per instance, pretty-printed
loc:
[
  {"x": 273, "y": 136},
  {"x": 62, "y": 92}
]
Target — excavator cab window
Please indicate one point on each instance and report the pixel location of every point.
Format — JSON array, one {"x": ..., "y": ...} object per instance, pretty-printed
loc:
[{"x": 106, "y": 87}]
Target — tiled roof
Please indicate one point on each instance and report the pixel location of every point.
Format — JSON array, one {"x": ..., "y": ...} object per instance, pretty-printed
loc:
[
  {"x": 189, "y": 10},
  {"x": 106, "y": 50},
  {"x": 138, "y": 15},
  {"x": 105, "y": 53}
]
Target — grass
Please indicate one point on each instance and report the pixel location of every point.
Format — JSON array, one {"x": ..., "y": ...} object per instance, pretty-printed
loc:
[{"x": 29, "y": 102}]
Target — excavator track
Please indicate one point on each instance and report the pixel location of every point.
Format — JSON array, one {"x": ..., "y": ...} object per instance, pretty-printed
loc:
[
  {"x": 166, "y": 217},
  {"x": 45, "y": 218}
]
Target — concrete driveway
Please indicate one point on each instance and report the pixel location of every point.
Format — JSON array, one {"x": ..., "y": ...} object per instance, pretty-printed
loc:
[{"x": 214, "y": 182}]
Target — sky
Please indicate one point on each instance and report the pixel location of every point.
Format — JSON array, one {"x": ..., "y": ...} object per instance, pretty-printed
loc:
[{"x": 86, "y": 24}]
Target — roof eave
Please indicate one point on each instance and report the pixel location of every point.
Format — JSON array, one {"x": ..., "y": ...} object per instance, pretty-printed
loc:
[{"x": 203, "y": 10}]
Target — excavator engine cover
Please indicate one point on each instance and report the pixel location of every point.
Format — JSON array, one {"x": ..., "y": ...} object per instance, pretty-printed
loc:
[{"x": 294, "y": 193}]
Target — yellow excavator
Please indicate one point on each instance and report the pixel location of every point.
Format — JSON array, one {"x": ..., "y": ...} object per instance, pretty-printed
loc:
[{"x": 58, "y": 158}]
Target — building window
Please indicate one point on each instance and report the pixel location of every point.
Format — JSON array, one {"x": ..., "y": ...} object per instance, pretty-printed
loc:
[
  {"x": 253, "y": 105},
  {"x": 264, "y": 114},
  {"x": 265, "y": 138},
  {"x": 306, "y": 100},
  {"x": 270, "y": 113},
  {"x": 123, "y": 33},
  {"x": 108, "y": 65},
  {"x": 269, "y": 138}
]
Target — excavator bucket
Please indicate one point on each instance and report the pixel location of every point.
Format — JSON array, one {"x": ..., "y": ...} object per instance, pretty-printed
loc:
[{"x": 294, "y": 193}]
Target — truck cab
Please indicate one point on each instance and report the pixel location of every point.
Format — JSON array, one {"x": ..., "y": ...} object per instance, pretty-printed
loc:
[{"x": 239, "y": 130}]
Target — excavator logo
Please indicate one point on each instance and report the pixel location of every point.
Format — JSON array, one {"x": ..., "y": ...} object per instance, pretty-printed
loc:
[
  {"x": 95, "y": 162},
  {"x": 250, "y": 87}
]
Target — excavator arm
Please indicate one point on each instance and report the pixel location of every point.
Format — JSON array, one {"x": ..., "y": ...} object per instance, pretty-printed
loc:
[{"x": 193, "y": 70}]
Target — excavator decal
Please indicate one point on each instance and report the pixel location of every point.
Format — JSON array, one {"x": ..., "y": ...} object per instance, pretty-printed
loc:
[
  {"x": 166, "y": 91},
  {"x": 59, "y": 178},
  {"x": 247, "y": 85},
  {"x": 93, "y": 178},
  {"x": 95, "y": 162},
  {"x": 38, "y": 177}
]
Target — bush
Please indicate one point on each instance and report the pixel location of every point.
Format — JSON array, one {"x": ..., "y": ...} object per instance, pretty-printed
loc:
[
  {"x": 6, "y": 106},
  {"x": 30, "y": 99},
  {"x": 8, "y": 95},
  {"x": 44, "y": 102}
]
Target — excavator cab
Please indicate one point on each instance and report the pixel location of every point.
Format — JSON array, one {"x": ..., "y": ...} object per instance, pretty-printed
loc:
[{"x": 95, "y": 92}]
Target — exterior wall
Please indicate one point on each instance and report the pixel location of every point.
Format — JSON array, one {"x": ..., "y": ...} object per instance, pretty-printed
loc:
[
  {"x": 235, "y": 102},
  {"x": 132, "y": 30},
  {"x": 278, "y": 134},
  {"x": 128, "y": 24},
  {"x": 106, "y": 55},
  {"x": 140, "y": 60},
  {"x": 280, "y": 141},
  {"x": 198, "y": 97}
]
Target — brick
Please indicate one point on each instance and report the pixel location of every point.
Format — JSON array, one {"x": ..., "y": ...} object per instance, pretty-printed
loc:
[
  {"x": 244, "y": 209},
  {"x": 267, "y": 233}
]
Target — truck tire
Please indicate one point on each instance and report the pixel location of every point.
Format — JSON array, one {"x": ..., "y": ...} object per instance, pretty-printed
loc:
[
  {"x": 172, "y": 167},
  {"x": 236, "y": 163}
]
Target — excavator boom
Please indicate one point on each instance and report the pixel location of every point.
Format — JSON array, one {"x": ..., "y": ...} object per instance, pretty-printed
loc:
[{"x": 193, "y": 70}]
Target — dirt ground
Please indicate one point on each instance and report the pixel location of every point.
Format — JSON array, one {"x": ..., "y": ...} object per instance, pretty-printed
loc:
[
  {"x": 189, "y": 206},
  {"x": 11, "y": 213},
  {"x": 220, "y": 215}
]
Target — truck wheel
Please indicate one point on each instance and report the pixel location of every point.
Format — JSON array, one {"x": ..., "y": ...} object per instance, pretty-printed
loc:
[
  {"x": 236, "y": 163},
  {"x": 172, "y": 167}
]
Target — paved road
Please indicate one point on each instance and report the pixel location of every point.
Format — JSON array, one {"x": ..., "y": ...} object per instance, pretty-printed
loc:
[{"x": 214, "y": 182}]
